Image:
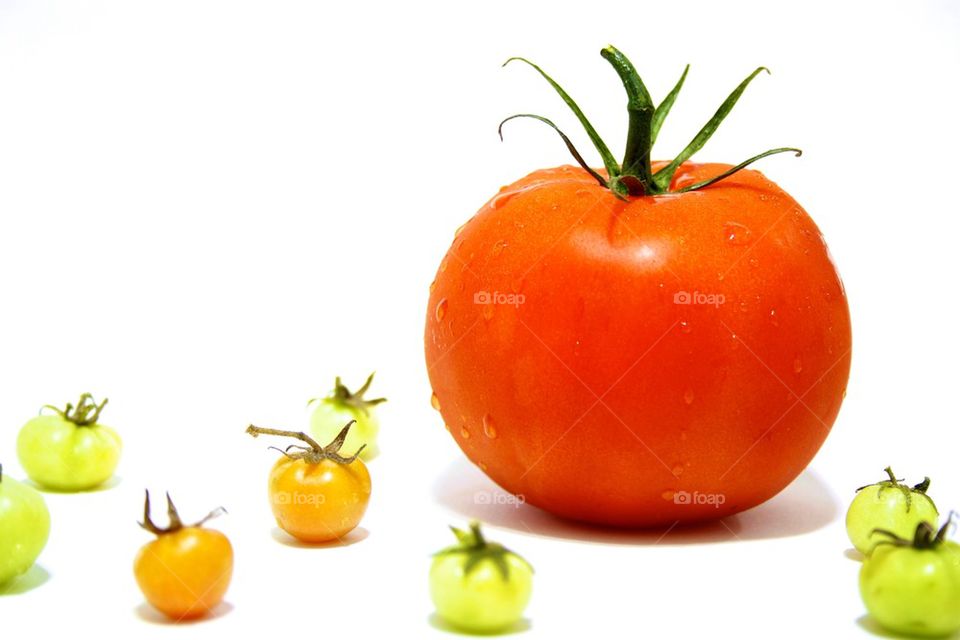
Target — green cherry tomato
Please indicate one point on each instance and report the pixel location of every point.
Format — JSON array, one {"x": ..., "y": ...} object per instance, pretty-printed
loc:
[
  {"x": 332, "y": 412},
  {"x": 479, "y": 586},
  {"x": 913, "y": 587},
  {"x": 24, "y": 527},
  {"x": 888, "y": 505},
  {"x": 70, "y": 450}
]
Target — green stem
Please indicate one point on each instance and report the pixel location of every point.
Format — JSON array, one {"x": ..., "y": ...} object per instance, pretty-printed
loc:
[
  {"x": 635, "y": 177},
  {"x": 640, "y": 110}
]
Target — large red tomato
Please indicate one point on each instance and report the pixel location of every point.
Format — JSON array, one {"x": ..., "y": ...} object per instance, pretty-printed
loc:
[{"x": 641, "y": 359}]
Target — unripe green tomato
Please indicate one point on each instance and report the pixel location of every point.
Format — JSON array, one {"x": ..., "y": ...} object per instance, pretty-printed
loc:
[
  {"x": 888, "y": 505},
  {"x": 329, "y": 417},
  {"x": 478, "y": 586},
  {"x": 69, "y": 451},
  {"x": 913, "y": 591},
  {"x": 24, "y": 527},
  {"x": 341, "y": 406}
]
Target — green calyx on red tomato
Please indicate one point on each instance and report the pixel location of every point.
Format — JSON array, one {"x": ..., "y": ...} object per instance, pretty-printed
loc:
[{"x": 635, "y": 176}]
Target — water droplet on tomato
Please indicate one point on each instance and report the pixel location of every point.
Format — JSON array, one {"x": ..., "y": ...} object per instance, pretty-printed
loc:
[
  {"x": 744, "y": 306},
  {"x": 736, "y": 233},
  {"x": 435, "y": 402},
  {"x": 498, "y": 247},
  {"x": 488, "y": 429},
  {"x": 433, "y": 285},
  {"x": 667, "y": 495},
  {"x": 688, "y": 396},
  {"x": 753, "y": 262},
  {"x": 774, "y": 320},
  {"x": 441, "y": 309},
  {"x": 685, "y": 327},
  {"x": 797, "y": 365},
  {"x": 447, "y": 427},
  {"x": 677, "y": 471},
  {"x": 460, "y": 229},
  {"x": 582, "y": 193},
  {"x": 443, "y": 265},
  {"x": 464, "y": 433},
  {"x": 482, "y": 465},
  {"x": 487, "y": 312}
]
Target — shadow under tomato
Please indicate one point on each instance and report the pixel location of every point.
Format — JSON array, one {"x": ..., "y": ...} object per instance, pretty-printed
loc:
[
  {"x": 853, "y": 554},
  {"x": 148, "y": 614},
  {"x": 806, "y": 505},
  {"x": 34, "y": 577},
  {"x": 106, "y": 486},
  {"x": 357, "y": 535},
  {"x": 439, "y": 623}
]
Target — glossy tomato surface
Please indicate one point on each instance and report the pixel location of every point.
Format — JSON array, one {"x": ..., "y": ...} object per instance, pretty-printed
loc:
[{"x": 668, "y": 358}]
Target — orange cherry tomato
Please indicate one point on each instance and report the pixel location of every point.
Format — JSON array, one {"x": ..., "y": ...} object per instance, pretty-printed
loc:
[
  {"x": 316, "y": 494},
  {"x": 185, "y": 572}
]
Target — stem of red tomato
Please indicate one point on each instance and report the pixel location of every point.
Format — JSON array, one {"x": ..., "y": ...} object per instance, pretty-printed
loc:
[{"x": 635, "y": 177}]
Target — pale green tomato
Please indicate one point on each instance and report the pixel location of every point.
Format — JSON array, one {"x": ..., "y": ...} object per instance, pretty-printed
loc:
[
  {"x": 69, "y": 451},
  {"x": 913, "y": 591},
  {"x": 479, "y": 586},
  {"x": 888, "y": 505},
  {"x": 24, "y": 527},
  {"x": 333, "y": 412}
]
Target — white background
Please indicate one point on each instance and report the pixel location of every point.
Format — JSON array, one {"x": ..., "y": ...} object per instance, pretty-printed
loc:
[{"x": 209, "y": 209}]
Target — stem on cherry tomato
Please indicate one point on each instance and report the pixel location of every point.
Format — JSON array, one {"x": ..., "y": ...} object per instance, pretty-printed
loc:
[
  {"x": 353, "y": 399},
  {"x": 925, "y": 537},
  {"x": 175, "y": 522},
  {"x": 313, "y": 453},
  {"x": 635, "y": 176},
  {"x": 892, "y": 482},
  {"x": 86, "y": 413},
  {"x": 475, "y": 547}
]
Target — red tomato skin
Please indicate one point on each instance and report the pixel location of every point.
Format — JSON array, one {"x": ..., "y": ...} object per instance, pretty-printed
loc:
[{"x": 597, "y": 396}]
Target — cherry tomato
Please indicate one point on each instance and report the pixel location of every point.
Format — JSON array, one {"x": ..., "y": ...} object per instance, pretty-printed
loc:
[
  {"x": 24, "y": 527},
  {"x": 70, "y": 450},
  {"x": 479, "y": 586},
  {"x": 642, "y": 344},
  {"x": 317, "y": 495},
  {"x": 888, "y": 505},
  {"x": 913, "y": 586},
  {"x": 186, "y": 571},
  {"x": 341, "y": 406}
]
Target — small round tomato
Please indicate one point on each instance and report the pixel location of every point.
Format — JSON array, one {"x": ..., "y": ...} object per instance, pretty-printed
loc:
[
  {"x": 888, "y": 505},
  {"x": 913, "y": 587},
  {"x": 342, "y": 406},
  {"x": 69, "y": 451},
  {"x": 24, "y": 527},
  {"x": 479, "y": 586},
  {"x": 185, "y": 572},
  {"x": 317, "y": 495}
]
